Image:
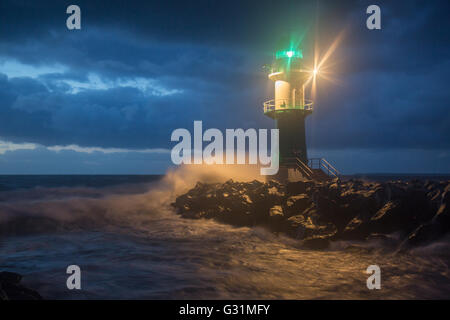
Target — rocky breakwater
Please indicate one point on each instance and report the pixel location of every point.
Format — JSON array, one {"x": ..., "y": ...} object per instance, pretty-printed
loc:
[{"x": 416, "y": 212}]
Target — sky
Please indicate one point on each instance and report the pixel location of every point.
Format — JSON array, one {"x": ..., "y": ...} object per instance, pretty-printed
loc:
[{"x": 105, "y": 99}]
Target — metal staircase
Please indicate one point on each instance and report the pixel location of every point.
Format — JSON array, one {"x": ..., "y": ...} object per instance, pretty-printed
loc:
[{"x": 317, "y": 169}]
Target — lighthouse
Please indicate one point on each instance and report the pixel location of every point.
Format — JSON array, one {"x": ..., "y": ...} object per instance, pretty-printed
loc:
[{"x": 289, "y": 109}]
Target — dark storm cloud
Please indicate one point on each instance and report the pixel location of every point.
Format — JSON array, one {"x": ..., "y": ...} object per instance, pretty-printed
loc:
[
  {"x": 117, "y": 117},
  {"x": 200, "y": 21},
  {"x": 385, "y": 112},
  {"x": 392, "y": 95},
  {"x": 414, "y": 37}
]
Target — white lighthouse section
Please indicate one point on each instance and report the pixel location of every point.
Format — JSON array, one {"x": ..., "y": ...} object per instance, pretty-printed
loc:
[
  {"x": 289, "y": 95},
  {"x": 289, "y": 91},
  {"x": 283, "y": 95}
]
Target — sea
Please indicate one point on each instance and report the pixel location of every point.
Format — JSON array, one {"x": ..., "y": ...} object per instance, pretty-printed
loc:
[{"x": 130, "y": 244}]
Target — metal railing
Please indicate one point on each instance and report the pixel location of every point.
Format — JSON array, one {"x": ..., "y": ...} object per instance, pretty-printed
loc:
[
  {"x": 304, "y": 168},
  {"x": 283, "y": 104},
  {"x": 311, "y": 168},
  {"x": 324, "y": 165}
]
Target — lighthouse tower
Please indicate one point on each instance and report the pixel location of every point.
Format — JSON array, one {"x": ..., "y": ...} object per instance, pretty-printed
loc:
[{"x": 289, "y": 109}]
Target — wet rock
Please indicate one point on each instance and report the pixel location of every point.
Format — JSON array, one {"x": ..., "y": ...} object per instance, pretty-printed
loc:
[
  {"x": 390, "y": 217},
  {"x": 328, "y": 210},
  {"x": 276, "y": 212},
  {"x": 438, "y": 227},
  {"x": 10, "y": 277},
  {"x": 297, "y": 204},
  {"x": 421, "y": 235},
  {"x": 356, "y": 229},
  {"x": 442, "y": 218},
  {"x": 294, "y": 188},
  {"x": 334, "y": 211},
  {"x": 295, "y": 226},
  {"x": 236, "y": 203},
  {"x": 309, "y": 227},
  {"x": 11, "y": 289},
  {"x": 276, "y": 218},
  {"x": 404, "y": 213},
  {"x": 434, "y": 229}
]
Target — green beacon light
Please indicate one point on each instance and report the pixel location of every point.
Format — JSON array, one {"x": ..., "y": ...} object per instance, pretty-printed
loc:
[{"x": 289, "y": 54}]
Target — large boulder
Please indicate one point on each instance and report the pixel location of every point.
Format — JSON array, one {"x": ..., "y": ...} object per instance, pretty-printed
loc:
[
  {"x": 297, "y": 204},
  {"x": 356, "y": 229},
  {"x": 11, "y": 289},
  {"x": 435, "y": 229},
  {"x": 333, "y": 211},
  {"x": 298, "y": 187},
  {"x": 315, "y": 234},
  {"x": 236, "y": 203},
  {"x": 309, "y": 226},
  {"x": 404, "y": 213},
  {"x": 276, "y": 218},
  {"x": 363, "y": 225},
  {"x": 340, "y": 202}
]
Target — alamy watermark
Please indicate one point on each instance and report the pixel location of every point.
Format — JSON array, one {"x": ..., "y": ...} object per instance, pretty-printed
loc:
[
  {"x": 74, "y": 20},
  {"x": 373, "y": 22},
  {"x": 235, "y": 151},
  {"x": 74, "y": 280},
  {"x": 374, "y": 281}
]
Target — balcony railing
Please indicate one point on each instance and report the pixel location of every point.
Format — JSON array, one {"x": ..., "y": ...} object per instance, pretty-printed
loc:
[{"x": 283, "y": 104}]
